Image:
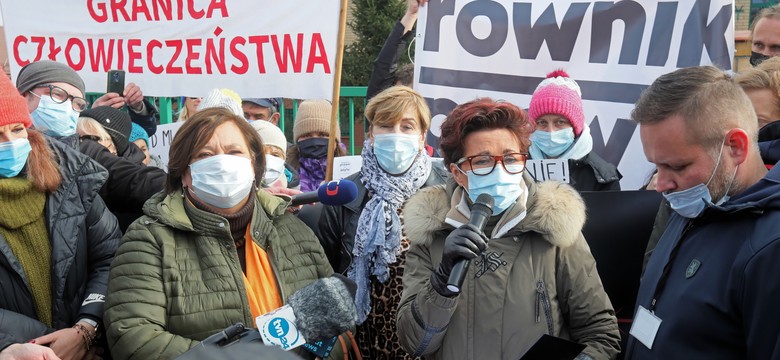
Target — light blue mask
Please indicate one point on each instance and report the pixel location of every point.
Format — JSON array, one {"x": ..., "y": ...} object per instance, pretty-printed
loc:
[
  {"x": 690, "y": 202},
  {"x": 553, "y": 143},
  {"x": 13, "y": 156},
  {"x": 505, "y": 188},
  {"x": 395, "y": 153},
  {"x": 53, "y": 119}
]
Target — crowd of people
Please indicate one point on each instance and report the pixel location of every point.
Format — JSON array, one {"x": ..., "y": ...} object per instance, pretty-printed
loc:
[{"x": 107, "y": 253}]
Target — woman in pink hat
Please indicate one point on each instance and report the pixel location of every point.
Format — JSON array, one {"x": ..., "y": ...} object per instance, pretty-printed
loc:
[{"x": 561, "y": 133}]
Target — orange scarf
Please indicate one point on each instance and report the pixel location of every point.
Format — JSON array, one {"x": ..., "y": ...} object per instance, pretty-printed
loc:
[{"x": 259, "y": 280}]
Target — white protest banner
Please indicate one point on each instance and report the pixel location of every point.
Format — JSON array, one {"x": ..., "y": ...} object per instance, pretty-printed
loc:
[
  {"x": 548, "y": 169},
  {"x": 613, "y": 49},
  {"x": 258, "y": 48}
]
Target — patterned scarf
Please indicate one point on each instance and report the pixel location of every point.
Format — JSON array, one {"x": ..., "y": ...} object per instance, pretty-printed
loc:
[
  {"x": 312, "y": 173},
  {"x": 378, "y": 235}
]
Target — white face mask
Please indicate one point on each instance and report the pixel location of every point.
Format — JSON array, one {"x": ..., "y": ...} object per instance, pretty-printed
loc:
[
  {"x": 274, "y": 168},
  {"x": 222, "y": 181}
]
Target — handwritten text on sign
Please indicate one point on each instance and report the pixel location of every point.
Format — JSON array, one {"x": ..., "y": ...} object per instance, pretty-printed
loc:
[{"x": 553, "y": 169}]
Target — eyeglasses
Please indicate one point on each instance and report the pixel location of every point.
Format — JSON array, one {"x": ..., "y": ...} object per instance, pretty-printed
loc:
[
  {"x": 59, "y": 96},
  {"x": 513, "y": 163}
]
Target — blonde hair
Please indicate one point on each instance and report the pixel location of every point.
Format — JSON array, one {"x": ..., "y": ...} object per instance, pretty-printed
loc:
[
  {"x": 388, "y": 107},
  {"x": 764, "y": 76},
  {"x": 90, "y": 126}
]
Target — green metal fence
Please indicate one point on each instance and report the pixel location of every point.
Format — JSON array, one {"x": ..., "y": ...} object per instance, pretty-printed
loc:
[{"x": 352, "y": 103}]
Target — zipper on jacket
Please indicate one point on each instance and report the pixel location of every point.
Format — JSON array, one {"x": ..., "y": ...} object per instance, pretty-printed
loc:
[
  {"x": 349, "y": 256},
  {"x": 276, "y": 273},
  {"x": 543, "y": 301}
]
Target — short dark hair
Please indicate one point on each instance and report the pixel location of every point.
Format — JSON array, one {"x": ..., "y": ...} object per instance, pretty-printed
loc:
[
  {"x": 477, "y": 115},
  {"x": 405, "y": 75},
  {"x": 708, "y": 99},
  {"x": 196, "y": 133}
]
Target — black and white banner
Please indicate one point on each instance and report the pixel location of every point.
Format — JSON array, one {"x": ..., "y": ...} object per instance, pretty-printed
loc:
[{"x": 614, "y": 49}]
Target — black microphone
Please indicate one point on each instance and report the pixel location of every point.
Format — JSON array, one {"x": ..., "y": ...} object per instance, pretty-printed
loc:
[
  {"x": 334, "y": 193},
  {"x": 481, "y": 211},
  {"x": 319, "y": 311}
]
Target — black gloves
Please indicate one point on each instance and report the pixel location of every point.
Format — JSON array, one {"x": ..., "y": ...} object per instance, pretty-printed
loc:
[{"x": 465, "y": 242}]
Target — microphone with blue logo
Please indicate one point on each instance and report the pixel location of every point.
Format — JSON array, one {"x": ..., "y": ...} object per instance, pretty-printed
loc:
[
  {"x": 333, "y": 193},
  {"x": 314, "y": 315}
]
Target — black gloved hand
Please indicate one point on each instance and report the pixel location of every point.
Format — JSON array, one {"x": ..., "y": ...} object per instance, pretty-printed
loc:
[{"x": 465, "y": 242}]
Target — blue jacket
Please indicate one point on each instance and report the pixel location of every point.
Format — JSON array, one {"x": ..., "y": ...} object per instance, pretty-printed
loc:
[{"x": 726, "y": 307}]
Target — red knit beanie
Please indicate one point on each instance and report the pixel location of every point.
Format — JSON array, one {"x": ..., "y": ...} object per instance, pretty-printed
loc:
[
  {"x": 560, "y": 95},
  {"x": 13, "y": 107}
]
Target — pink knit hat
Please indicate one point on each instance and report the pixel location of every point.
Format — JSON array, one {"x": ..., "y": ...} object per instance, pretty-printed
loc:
[{"x": 558, "y": 94}]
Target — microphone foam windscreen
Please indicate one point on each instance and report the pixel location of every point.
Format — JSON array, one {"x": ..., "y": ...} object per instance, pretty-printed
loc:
[
  {"x": 486, "y": 201},
  {"x": 323, "y": 309},
  {"x": 337, "y": 193}
]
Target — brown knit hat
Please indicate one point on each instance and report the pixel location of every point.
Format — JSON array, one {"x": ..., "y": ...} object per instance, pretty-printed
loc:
[
  {"x": 313, "y": 116},
  {"x": 13, "y": 107}
]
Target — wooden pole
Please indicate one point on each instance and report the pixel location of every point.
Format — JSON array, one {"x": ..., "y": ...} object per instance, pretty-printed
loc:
[{"x": 334, "y": 120}]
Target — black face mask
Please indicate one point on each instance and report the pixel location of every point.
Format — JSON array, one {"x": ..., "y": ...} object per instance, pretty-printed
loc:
[
  {"x": 314, "y": 148},
  {"x": 757, "y": 58}
]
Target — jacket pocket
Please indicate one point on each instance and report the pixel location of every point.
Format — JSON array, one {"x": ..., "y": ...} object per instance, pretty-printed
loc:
[{"x": 543, "y": 304}]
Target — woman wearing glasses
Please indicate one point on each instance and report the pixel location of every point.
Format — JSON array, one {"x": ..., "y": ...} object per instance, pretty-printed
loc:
[
  {"x": 534, "y": 276},
  {"x": 561, "y": 133}
]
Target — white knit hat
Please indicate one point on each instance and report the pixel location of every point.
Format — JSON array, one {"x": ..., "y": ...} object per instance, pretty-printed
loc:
[
  {"x": 222, "y": 98},
  {"x": 270, "y": 134}
]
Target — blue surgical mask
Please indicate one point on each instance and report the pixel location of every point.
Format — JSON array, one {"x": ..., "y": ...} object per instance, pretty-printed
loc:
[
  {"x": 53, "y": 119},
  {"x": 553, "y": 143},
  {"x": 395, "y": 153},
  {"x": 13, "y": 157},
  {"x": 222, "y": 181},
  {"x": 505, "y": 188},
  {"x": 690, "y": 202}
]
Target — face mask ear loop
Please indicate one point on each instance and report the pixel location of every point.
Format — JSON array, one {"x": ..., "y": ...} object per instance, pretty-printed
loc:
[
  {"x": 733, "y": 177},
  {"x": 720, "y": 154}
]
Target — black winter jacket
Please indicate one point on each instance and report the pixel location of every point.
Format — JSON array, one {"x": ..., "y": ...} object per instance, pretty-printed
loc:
[
  {"x": 338, "y": 224},
  {"x": 386, "y": 63},
  {"x": 84, "y": 237},
  {"x": 129, "y": 183},
  {"x": 592, "y": 173}
]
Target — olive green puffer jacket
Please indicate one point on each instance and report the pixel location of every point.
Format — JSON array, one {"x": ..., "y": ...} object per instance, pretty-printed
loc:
[{"x": 177, "y": 279}]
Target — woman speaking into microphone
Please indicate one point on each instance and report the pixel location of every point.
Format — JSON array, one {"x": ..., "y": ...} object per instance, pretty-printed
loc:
[{"x": 534, "y": 276}]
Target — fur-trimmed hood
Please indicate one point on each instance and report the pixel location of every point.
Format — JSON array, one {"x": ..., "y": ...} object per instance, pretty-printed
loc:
[{"x": 555, "y": 210}]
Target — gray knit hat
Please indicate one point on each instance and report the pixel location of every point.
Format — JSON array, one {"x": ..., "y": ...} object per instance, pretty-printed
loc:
[
  {"x": 45, "y": 72},
  {"x": 116, "y": 122}
]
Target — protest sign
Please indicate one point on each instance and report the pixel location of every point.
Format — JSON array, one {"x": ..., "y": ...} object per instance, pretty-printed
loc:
[
  {"x": 614, "y": 50},
  {"x": 176, "y": 47},
  {"x": 160, "y": 142},
  {"x": 548, "y": 169}
]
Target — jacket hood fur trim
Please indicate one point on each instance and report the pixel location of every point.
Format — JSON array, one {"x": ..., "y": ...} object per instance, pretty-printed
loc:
[{"x": 555, "y": 210}]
